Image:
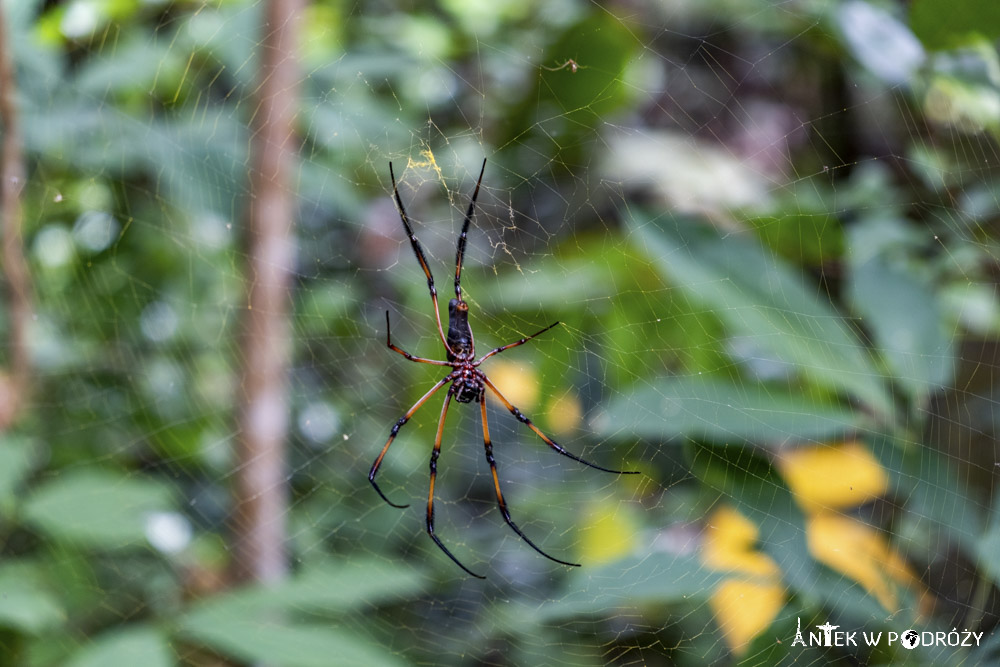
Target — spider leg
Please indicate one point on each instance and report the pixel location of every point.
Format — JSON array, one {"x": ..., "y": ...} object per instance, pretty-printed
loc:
[
  {"x": 496, "y": 485},
  {"x": 460, "y": 255},
  {"x": 514, "y": 344},
  {"x": 419, "y": 252},
  {"x": 388, "y": 341},
  {"x": 430, "y": 494},
  {"x": 548, "y": 441},
  {"x": 392, "y": 436}
]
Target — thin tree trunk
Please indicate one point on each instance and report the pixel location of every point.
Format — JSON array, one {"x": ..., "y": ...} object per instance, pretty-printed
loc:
[
  {"x": 14, "y": 389},
  {"x": 261, "y": 503}
]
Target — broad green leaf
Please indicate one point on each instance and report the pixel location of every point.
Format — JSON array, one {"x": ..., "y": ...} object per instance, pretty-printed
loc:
[
  {"x": 142, "y": 64},
  {"x": 760, "y": 297},
  {"x": 198, "y": 163},
  {"x": 988, "y": 546},
  {"x": 657, "y": 578},
  {"x": 97, "y": 508},
  {"x": 938, "y": 500},
  {"x": 126, "y": 648},
  {"x": 329, "y": 586},
  {"x": 351, "y": 583},
  {"x": 973, "y": 305},
  {"x": 907, "y": 322},
  {"x": 717, "y": 409},
  {"x": 944, "y": 25},
  {"x": 17, "y": 459},
  {"x": 25, "y": 603},
  {"x": 29, "y": 611},
  {"x": 252, "y": 624},
  {"x": 580, "y": 279},
  {"x": 597, "y": 88},
  {"x": 898, "y": 304},
  {"x": 276, "y": 642},
  {"x": 19, "y": 14}
]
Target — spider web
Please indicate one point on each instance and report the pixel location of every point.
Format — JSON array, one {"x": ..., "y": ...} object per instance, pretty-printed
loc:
[{"x": 765, "y": 227}]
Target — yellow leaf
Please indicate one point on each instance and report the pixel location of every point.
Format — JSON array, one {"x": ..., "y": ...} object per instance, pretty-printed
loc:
[
  {"x": 517, "y": 382},
  {"x": 833, "y": 476},
  {"x": 744, "y": 609},
  {"x": 728, "y": 544},
  {"x": 858, "y": 551}
]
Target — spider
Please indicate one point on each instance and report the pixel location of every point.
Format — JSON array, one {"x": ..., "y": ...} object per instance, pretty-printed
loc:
[
  {"x": 468, "y": 383},
  {"x": 571, "y": 64}
]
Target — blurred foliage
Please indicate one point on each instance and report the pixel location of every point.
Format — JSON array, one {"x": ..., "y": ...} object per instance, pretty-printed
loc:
[{"x": 769, "y": 230}]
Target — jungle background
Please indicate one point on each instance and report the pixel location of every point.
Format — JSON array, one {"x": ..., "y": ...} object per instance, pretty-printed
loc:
[{"x": 768, "y": 228}]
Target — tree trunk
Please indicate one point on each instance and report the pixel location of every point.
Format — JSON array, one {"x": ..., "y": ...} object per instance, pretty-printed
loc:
[
  {"x": 261, "y": 504},
  {"x": 13, "y": 388}
]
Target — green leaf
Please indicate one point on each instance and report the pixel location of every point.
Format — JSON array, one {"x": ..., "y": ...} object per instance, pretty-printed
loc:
[
  {"x": 657, "y": 578},
  {"x": 19, "y": 13},
  {"x": 987, "y": 548},
  {"x": 940, "y": 505},
  {"x": 890, "y": 288},
  {"x": 253, "y": 623},
  {"x": 716, "y": 409},
  {"x": 328, "y": 586},
  {"x": 581, "y": 280},
  {"x": 945, "y": 25},
  {"x": 97, "y": 508},
  {"x": 125, "y": 648},
  {"x": 602, "y": 46},
  {"x": 907, "y": 322},
  {"x": 343, "y": 585},
  {"x": 760, "y": 297},
  {"x": 29, "y": 611},
  {"x": 25, "y": 604},
  {"x": 279, "y": 643},
  {"x": 18, "y": 456}
]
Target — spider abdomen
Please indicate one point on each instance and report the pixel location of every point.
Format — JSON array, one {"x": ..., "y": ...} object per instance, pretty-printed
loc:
[{"x": 460, "y": 342}]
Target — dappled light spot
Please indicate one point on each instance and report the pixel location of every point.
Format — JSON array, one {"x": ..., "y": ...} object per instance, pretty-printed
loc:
[
  {"x": 608, "y": 533},
  {"x": 516, "y": 381},
  {"x": 564, "y": 412}
]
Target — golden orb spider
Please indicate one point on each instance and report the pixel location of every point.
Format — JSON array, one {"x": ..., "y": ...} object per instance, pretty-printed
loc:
[{"x": 468, "y": 383}]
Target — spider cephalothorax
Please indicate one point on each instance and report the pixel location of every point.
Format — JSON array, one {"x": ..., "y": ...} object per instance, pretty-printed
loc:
[{"x": 468, "y": 383}]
